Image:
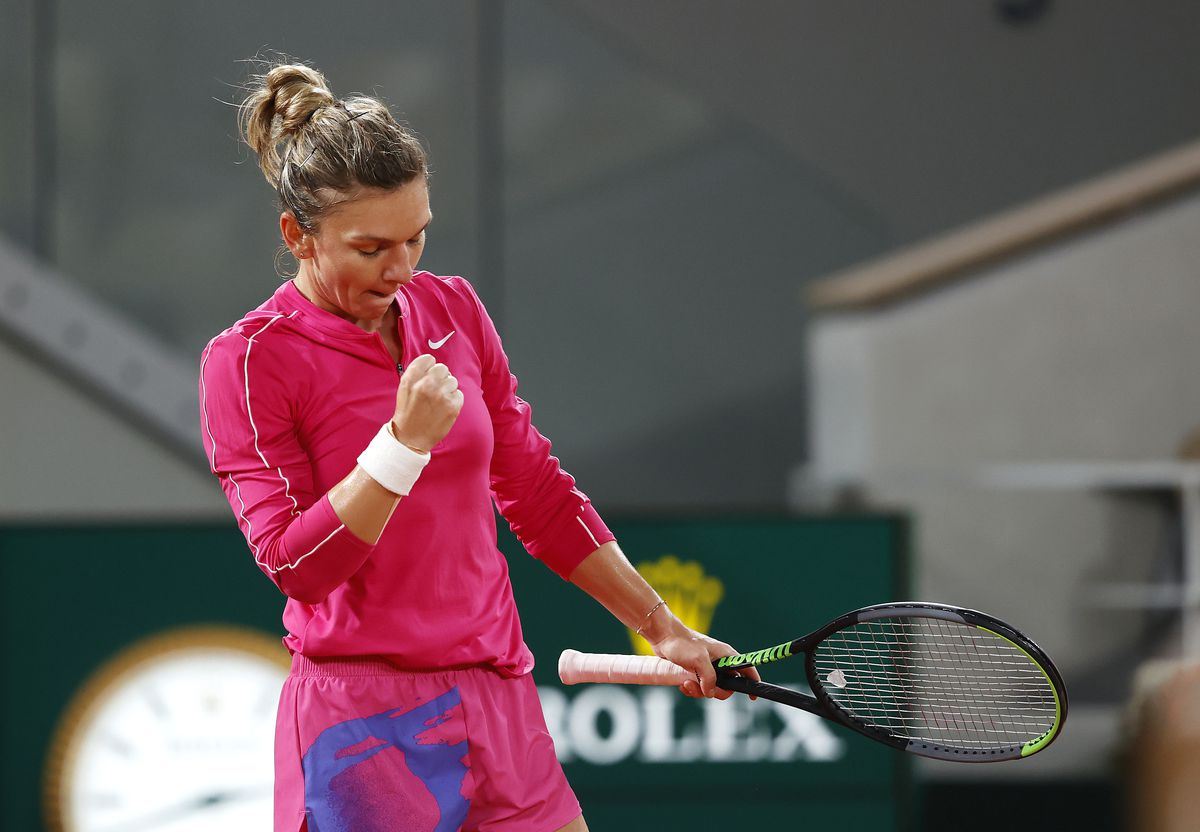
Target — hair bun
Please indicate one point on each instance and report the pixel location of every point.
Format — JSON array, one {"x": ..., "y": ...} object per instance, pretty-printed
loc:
[
  {"x": 278, "y": 105},
  {"x": 297, "y": 92}
]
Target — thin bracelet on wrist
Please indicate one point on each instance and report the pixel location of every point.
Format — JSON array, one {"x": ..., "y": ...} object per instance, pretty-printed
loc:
[
  {"x": 646, "y": 620},
  {"x": 392, "y": 431}
]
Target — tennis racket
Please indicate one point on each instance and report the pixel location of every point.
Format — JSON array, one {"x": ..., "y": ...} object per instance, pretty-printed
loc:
[{"x": 934, "y": 680}]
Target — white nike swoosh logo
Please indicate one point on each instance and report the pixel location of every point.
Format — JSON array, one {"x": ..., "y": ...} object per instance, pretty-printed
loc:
[{"x": 433, "y": 345}]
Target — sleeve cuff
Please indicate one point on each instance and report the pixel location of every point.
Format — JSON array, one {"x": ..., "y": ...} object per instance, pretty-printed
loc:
[{"x": 320, "y": 527}]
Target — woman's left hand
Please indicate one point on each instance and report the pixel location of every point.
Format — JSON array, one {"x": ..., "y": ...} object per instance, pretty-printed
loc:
[
  {"x": 696, "y": 652},
  {"x": 607, "y": 576}
]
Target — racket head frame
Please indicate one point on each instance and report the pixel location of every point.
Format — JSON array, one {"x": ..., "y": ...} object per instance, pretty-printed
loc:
[
  {"x": 823, "y": 704},
  {"x": 959, "y": 615}
]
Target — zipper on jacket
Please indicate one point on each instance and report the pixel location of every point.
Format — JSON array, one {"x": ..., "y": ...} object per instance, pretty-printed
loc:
[{"x": 399, "y": 369}]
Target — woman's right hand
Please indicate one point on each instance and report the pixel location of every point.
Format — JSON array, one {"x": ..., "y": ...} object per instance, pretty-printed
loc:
[{"x": 427, "y": 403}]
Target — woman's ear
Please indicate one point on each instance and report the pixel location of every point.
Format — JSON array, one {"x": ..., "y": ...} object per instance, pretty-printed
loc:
[{"x": 298, "y": 241}]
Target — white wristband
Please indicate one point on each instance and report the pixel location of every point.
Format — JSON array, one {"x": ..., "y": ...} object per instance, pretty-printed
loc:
[{"x": 391, "y": 463}]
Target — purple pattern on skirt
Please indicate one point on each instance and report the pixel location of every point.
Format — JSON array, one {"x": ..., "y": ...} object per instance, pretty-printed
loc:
[{"x": 390, "y": 771}]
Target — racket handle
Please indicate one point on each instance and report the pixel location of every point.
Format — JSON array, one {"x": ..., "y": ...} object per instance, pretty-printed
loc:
[{"x": 575, "y": 667}]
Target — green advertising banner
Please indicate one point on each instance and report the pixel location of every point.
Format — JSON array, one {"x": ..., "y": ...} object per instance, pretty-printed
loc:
[
  {"x": 82, "y": 605},
  {"x": 752, "y": 582}
]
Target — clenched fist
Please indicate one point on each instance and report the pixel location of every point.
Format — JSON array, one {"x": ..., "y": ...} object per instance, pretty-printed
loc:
[{"x": 427, "y": 403}]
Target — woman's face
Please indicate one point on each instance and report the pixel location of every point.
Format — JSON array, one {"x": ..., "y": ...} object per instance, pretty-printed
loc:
[{"x": 362, "y": 252}]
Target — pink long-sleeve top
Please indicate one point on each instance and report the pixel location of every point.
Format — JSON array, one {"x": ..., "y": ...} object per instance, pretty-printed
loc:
[{"x": 290, "y": 396}]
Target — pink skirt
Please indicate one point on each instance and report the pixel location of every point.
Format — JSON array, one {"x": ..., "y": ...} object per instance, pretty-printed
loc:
[{"x": 363, "y": 746}]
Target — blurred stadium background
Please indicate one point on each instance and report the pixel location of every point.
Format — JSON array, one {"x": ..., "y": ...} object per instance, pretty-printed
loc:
[{"x": 932, "y": 262}]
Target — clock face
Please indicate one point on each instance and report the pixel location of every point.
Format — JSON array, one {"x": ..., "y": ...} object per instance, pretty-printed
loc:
[{"x": 177, "y": 735}]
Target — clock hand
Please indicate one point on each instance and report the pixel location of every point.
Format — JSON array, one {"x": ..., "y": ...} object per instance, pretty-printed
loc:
[{"x": 190, "y": 806}]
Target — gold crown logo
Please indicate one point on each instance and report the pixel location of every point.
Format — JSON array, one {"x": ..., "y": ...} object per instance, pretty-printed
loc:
[{"x": 691, "y": 595}]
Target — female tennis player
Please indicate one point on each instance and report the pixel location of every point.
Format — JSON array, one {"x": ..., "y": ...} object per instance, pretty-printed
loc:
[{"x": 362, "y": 421}]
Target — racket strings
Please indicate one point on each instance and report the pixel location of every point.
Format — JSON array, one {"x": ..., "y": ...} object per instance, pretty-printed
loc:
[{"x": 937, "y": 681}]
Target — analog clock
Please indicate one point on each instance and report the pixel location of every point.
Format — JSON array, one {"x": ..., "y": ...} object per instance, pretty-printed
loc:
[{"x": 174, "y": 734}]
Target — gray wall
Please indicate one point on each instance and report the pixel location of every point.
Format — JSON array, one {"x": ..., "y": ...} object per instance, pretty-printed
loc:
[
  {"x": 1084, "y": 351},
  {"x": 63, "y": 455},
  {"x": 924, "y": 114},
  {"x": 19, "y": 156},
  {"x": 638, "y": 189}
]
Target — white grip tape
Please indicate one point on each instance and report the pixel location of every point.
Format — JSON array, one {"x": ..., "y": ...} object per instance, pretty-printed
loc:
[
  {"x": 391, "y": 463},
  {"x": 575, "y": 667}
]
